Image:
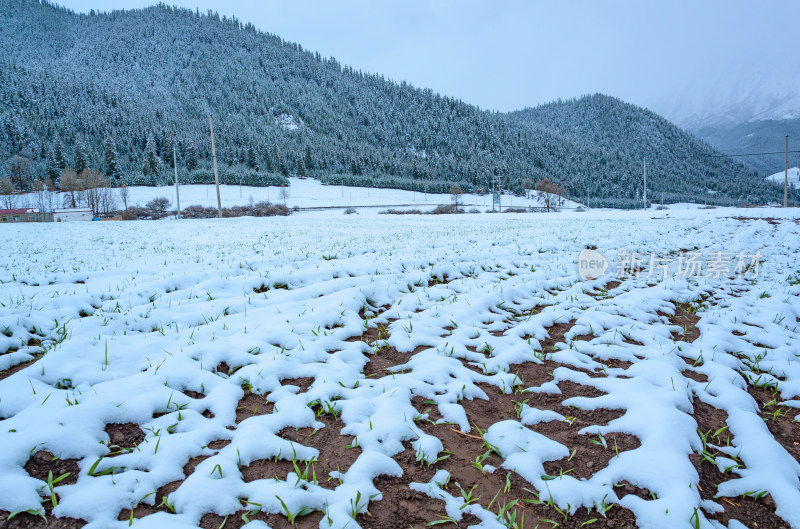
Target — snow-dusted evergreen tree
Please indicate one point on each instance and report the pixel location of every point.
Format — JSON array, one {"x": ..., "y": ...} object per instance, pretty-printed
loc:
[
  {"x": 191, "y": 157},
  {"x": 150, "y": 167},
  {"x": 111, "y": 166},
  {"x": 81, "y": 159}
]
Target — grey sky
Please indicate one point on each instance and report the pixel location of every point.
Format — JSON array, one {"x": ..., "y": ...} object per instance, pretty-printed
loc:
[{"x": 677, "y": 57}]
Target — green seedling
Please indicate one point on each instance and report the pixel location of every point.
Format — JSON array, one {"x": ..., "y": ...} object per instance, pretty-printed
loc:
[
  {"x": 292, "y": 516},
  {"x": 468, "y": 497},
  {"x": 51, "y": 485}
]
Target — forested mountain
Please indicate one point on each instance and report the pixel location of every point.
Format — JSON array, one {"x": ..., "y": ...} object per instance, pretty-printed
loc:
[
  {"x": 116, "y": 91},
  {"x": 624, "y": 137},
  {"x": 757, "y": 137}
]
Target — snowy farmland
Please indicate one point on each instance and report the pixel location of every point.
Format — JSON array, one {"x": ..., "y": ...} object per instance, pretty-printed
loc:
[{"x": 373, "y": 372}]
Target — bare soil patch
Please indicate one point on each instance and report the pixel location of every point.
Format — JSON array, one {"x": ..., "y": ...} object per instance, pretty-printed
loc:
[
  {"x": 31, "y": 521},
  {"x": 335, "y": 450},
  {"x": 779, "y": 419},
  {"x": 370, "y": 334},
  {"x": 42, "y": 463},
  {"x": 123, "y": 437},
  {"x": 686, "y": 318},
  {"x": 19, "y": 367},
  {"x": 752, "y": 512},
  {"x": 301, "y": 382},
  {"x": 251, "y": 405},
  {"x": 771, "y": 220},
  {"x": 141, "y": 510},
  {"x": 385, "y": 358}
]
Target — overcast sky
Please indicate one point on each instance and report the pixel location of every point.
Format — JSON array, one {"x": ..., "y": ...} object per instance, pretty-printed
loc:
[{"x": 670, "y": 55}]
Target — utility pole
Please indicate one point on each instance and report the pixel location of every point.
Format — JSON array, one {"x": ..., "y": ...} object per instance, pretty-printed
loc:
[
  {"x": 214, "y": 159},
  {"x": 786, "y": 177},
  {"x": 177, "y": 192},
  {"x": 645, "y": 184}
]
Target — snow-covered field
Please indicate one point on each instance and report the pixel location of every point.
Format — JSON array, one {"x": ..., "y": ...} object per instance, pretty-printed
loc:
[
  {"x": 310, "y": 193},
  {"x": 434, "y": 369}
]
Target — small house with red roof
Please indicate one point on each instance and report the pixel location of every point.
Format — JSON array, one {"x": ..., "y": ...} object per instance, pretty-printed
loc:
[{"x": 23, "y": 215}]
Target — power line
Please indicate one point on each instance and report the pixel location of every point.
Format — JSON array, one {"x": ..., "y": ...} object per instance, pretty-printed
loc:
[{"x": 754, "y": 154}]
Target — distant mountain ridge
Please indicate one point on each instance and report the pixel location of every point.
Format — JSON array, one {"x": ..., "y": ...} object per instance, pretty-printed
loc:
[
  {"x": 752, "y": 138},
  {"x": 115, "y": 91}
]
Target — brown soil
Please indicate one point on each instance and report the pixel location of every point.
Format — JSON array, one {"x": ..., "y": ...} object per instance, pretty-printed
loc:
[
  {"x": 387, "y": 357},
  {"x": 251, "y": 405},
  {"x": 379, "y": 332},
  {"x": 39, "y": 466},
  {"x": 603, "y": 292},
  {"x": 436, "y": 280},
  {"x": 225, "y": 369},
  {"x": 499, "y": 488},
  {"x": 686, "y": 319},
  {"x": 770, "y": 220},
  {"x": 694, "y": 375},
  {"x": 278, "y": 521},
  {"x": 751, "y": 512},
  {"x": 31, "y": 521},
  {"x": 332, "y": 446},
  {"x": 372, "y": 312},
  {"x": 142, "y": 510},
  {"x": 301, "y": 382},
  {"x": 615, "y": 363},
  {"x": 191, "y": 465},
  {"x": 123, "y": 437},
  {"x": 401, "y": 507},
  {"x": 267, "y": 288},
  {"x": 782, "y": 425},
  {"x": 267, "y": 468},
  {"x": 19, "y": 367},
  {"x": 42, "y": 463}
]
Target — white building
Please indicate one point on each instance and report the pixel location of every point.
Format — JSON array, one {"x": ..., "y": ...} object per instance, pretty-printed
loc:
[{"x": 69, "y": 215}]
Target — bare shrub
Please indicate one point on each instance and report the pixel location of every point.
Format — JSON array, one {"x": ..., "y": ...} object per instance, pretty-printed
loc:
[
  {"x": 550, "y": 193},
  {"x": 198, "y": 212},
  {"x": 443, "y": 209},
  {"x": 455, "y": 194},
  {"x": 158, "y": 207},
  {"x": 400, "y": 212},
  {"x": 136, "y": 213}
]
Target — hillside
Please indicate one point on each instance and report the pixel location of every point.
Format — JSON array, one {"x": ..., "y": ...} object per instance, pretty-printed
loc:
[
  {"x": 679, "y": 166},
  {"x": 115, "y": 92},
  {"x": 781, "y": 177},
  {"x": 756, "y": 137}
]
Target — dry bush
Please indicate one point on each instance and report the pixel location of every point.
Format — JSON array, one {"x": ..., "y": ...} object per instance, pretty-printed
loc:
[
  {"x": 259, "y": 209},
  {"x": 444, "y": 209},
  {"x": 400, "y": 212},
  {"x": 158, "y": 207},
  {"x": 551, "y": 193},
  {"x": 136, "y": 213}
]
